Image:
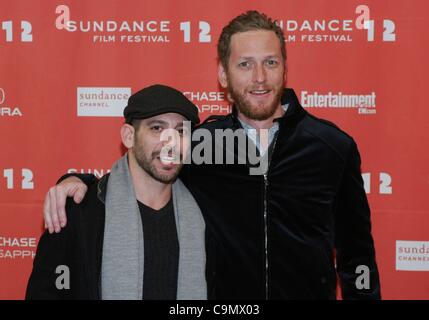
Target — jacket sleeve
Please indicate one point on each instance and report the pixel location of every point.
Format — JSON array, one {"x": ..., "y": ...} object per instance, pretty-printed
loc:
[
  {"x": 353, "y": 239},
  {"x": 87, "y": 178},
  {"x": 53, "y": 250}
]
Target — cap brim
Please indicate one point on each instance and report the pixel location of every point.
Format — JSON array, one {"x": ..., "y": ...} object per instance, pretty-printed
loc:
[{"x": 157, "y": 113}]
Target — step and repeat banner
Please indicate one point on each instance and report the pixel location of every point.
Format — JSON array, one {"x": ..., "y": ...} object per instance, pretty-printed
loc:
[{"x": 67, "y": 69}]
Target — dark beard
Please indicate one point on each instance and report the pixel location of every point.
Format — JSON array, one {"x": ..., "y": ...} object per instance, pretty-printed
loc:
[
  {"x": 150, "y": 170},
  {"x": 146, "y": 165},
  {"x": 248, "y": 110}
]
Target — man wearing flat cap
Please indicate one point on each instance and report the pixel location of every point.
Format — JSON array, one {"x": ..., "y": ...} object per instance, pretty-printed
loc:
[{"x": 138, "y": 234}]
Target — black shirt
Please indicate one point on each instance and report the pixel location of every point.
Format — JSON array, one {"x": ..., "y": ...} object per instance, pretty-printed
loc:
[{"x": 161, "y": 252}]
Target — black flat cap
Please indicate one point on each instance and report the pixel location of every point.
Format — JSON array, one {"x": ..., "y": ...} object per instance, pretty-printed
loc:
[{"x": 159, "y": 99}]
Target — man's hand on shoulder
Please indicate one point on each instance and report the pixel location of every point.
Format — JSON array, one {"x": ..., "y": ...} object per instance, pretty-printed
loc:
[{"x": 54, "y": 207}]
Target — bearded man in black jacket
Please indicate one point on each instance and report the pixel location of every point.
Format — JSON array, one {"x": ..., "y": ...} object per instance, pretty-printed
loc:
[{"x": 139, "y": 233}]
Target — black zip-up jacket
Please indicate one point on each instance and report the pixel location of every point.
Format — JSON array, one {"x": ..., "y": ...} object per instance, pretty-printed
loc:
[{"x": 274, "y": 236}]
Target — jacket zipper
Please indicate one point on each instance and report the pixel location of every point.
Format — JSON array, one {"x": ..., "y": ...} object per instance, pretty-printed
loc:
[
  {"x": 266, "y": 234},
  {"x": 266, "y": 183}
]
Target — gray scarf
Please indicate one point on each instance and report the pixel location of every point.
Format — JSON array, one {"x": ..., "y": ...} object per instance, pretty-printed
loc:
[{"x": 123, "y": 249}]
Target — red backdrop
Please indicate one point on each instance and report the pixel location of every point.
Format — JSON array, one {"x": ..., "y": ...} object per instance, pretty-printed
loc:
[{"x": 67, "y": 68}]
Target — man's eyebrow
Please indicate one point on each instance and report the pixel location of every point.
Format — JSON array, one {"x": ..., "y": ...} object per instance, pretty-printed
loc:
[
  {"x": 156, "y": 121},
  {"x": 246, "y": 58},
  {"x": 270, "y": 56}
]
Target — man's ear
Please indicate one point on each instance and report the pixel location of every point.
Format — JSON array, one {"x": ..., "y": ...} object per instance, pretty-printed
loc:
[
  {"x": 127, "y": 135},
  {"x": 221, "y": 75}
]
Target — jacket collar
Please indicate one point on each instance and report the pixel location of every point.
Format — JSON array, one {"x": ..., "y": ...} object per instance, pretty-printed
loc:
[{"x": 102, "y": 188}]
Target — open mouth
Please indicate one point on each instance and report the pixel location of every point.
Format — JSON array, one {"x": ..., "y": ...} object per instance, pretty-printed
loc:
[
  {"x": 168, "y": 160},
  {"x": 260, "y": 92}
]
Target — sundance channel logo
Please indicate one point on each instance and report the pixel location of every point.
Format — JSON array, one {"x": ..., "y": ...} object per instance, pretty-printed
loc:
[
  {"x": 412, "y": 255},
  {"x": 102, "y": 102}
]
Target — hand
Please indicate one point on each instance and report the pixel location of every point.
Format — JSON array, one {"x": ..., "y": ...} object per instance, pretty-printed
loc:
[{"x": 55, "y": 202}]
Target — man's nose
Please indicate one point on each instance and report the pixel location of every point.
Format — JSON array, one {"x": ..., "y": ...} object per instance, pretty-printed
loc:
[
  {"x": 259, "y": 74},
  {"x": 172, "y": 139}
]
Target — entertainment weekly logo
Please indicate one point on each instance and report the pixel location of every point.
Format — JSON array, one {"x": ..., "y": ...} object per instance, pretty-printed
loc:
[
  {"x": 365, "y": 104},
  {"x": 6, "y": 110},
  {"x": 102, "y": 101},
  {"x": 212, "y": 102},
  {"x": 412, "y": 255},
  {"x": 339, "y": 29},
  {"x": 17, "y": 247}
]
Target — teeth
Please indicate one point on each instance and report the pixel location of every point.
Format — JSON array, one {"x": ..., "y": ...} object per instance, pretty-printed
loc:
[
  {"x": 168, "y": 159},
  {"x": 260, "y": 91}
]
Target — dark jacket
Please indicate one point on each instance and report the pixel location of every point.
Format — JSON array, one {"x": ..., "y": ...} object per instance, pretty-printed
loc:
[
  {"x": 78, "y": 246},
  {"x": 275, "y": 236}
]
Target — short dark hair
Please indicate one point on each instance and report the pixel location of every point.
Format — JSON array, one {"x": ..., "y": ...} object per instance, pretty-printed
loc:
[
  {"x": 251, "y": 20},
  {"x": 135, "y": 123}
]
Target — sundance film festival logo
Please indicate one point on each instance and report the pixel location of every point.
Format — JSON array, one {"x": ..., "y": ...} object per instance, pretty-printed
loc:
[
  {"x": 7, "y": 111},
  {"x": 210, "y": 102},
  {"x": 363, "y": 103},
  {"x": 102, "y": 102},
  {"x": 17, "y": 247},
  {"x": 113, "y": 31},
  {"x": 135, "y": 31},
  {"x": 339, "y": 29},
  {"x": 412, "y": 255}
]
